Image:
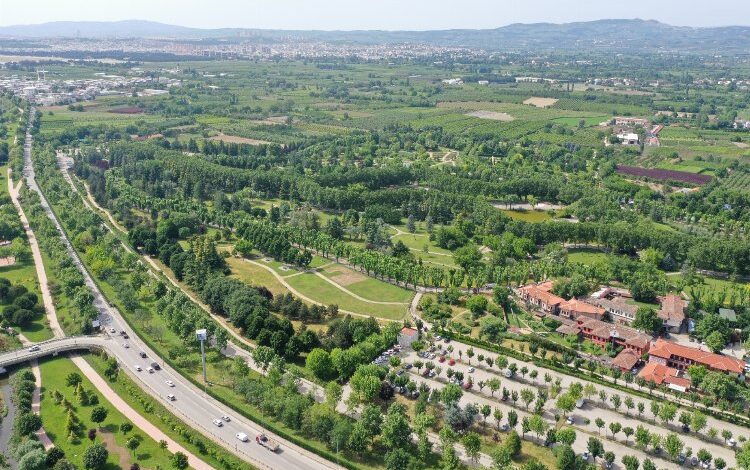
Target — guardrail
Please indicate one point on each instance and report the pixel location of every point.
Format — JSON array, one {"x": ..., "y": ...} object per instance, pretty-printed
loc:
[{"x": 50, "y": 347}]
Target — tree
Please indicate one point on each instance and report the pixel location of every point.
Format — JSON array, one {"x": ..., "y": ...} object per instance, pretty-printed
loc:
[
  {"x": 472, "y": 443},
  {"x": 615, "y": 428},
  {"x": 704, "y": 456},
  {"x": 648, "y": 464},
  {"x": 646, "y": 319},
  {"x": 513, "y": 444},
  {"x": 667, "y": 412},
  {"x": 396, "y": 459},
  {"x": 501, "y": 458},
  {"x": 595, "y": 447},
  {"x": 673, "y": 445},
  {"x": 609, "y": 458},
  {"x": 263, "y": 356},
  {"x": 630, "y": 462},
  {"x": 133, "y": 443},
  {"x": 743, "y": 457},
  {"x": 715, "y": 341},
  {"x": 527, "y": 396},
  {"x": 333, "y": 393},
  {"x": 599, "y": 424},
  {"x": 34, "y": 460},
  {"x": 95, "y": 456},
  {"x": 719, "y": 463},
  {"x": 73, "y": 379},
  {"x": 126, "y": 427},
  {"x": 698, "y": 421},
  {"x": 566, "y": 403},
  {"x": 28, "y": 423},
  {"x": 319, "y": 362},
  {"x": 98, "y": 415},
  {"x": 179, "y": 461},
  {"x": 395, "y": 431},
  {"x": 566, "y": 436},
  {"x": 566, "y": 458},
  {"x": 628, "y": 431}
]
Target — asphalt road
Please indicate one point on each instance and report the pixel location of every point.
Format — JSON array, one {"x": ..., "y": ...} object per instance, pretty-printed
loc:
[{"x": 191, "y": 403}]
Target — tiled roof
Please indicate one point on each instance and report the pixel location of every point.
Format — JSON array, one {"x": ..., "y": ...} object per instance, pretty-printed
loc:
[
  {"x": 659, "y": 374},
  {"x": 618, "y": 304},
  {"x": 579, "y": 306},
  {"x": 409, "y": 331},
  {"x": 672, "y": 309},
  {"x": 667, "y": 349},
  {"x": 626, "y": 360},
  {"x": 568, "y": 330},
  {"x": 605, "y": 331},
  {"x": 539, "y": 293}
]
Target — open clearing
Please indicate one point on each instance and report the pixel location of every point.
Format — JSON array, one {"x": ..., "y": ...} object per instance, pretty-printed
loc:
[
  {"x": 235, "y": 139},
  {"x": 492, "y": 115},
  {"x": 540, "y": 102}
]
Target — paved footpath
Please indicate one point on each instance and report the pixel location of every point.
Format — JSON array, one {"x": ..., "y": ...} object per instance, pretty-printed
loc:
[{"x": 139, "y": 421}]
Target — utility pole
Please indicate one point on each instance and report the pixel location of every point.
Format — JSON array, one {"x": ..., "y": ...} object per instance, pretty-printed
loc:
[{"x": 202, "y": 335}]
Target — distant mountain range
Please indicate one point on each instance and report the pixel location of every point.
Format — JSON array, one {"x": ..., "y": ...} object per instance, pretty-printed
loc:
[{"x": 582, "y": 36}]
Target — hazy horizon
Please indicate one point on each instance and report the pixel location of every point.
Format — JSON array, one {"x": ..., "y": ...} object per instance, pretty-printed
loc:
[{"x": 384, "y": 15}]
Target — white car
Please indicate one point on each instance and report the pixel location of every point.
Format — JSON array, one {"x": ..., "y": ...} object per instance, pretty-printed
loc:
[
  {"x": 471, "y": 370},
  {"x": 34, "y": 348},
  {"x": 125, "y": 345},
  {"x": 150, "y": 370},
  {"x": 241, "y": 436},
  {"x": 219, "y": 423},
  {"x": 169, "y": 383},
  {"x": 112, "y": 330},
  {"x": 226, "y": 418},
  {"x": 138, "y": 368},
  {"x": 171, "y": 397}
]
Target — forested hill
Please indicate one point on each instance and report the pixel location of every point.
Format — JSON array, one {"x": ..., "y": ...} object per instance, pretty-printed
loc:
[{"x": 602, "y": 34}]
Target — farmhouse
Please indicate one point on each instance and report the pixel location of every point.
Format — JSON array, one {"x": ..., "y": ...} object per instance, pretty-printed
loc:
[
  {"x": 630, "y": 122},
  {"x": 540, "y": 297},
  {"x": 575, "y": 308},
  {"x": 681, "y": 357},
  {"x": 603, "y": 333},
  {"x": 629, "y": 138},
  {"x": 672, "y": 312},
  {"x": 626, "y": 360},
  {"x": 618, "y": 310},
  {"x": 661, "y": 374}
]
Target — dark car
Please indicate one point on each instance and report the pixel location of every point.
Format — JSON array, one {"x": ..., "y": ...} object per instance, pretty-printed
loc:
[
  {"x": 155, "y": 365},
  {"x": 143, "y": 354}
]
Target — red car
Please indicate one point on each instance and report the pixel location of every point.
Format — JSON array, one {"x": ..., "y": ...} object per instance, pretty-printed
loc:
[
  {"x": 467, "y": 385},
  {"x": 451, "y": 362},
  {"x": 441, "y": 359}
]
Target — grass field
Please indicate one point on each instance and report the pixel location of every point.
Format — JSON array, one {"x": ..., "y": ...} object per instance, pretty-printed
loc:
[
  {"x": 586, "y": 255},
  {"x": 316, "y": 288},
  {"x": 527, "y": 216},
  {"x": 366, "y": 287},
  {"x": 54, "y": 417}
]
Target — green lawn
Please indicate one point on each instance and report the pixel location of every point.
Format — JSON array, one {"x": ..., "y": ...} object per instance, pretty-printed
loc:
[
  {"x": 24, "y": 273},
  {"x": 54, "y": 417},
  {"x": 586, "y": 255},
  {"x": 527, "y": 216},
  {"x": 365, "y": 286},
  {"x": 317, "y": 289}
]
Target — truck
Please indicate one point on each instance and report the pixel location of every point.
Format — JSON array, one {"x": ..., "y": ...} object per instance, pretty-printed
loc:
[{"x": 267, "y": 442}]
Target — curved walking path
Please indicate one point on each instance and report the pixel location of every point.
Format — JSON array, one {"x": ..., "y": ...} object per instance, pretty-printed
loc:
[{"x": 358, "y": 297}]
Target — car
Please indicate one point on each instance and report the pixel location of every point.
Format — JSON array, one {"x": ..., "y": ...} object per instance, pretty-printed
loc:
[
  {"x": 400, "y": 372},
  {"x": 408, "y": 366},
  {"x": 122, "y": 333},
  {"x": 685, "y": 428},
  {"x": 138, "y": 368},
  {"x": 125, "y": 336},
  {"x": 125, "y": 345},
  {"x": 693, "y": 461},
  {"x": 169, "y": 383},
  {"x": 447, "y": 340},
  {"x": 452, "y": 362},
  {"x": 705, "y": 465},
  {"x": 219, "y": 423},
  {"x": 585, "y": 456},
  {"x": 156, "y": 366},
  {"x": 226, "y": 418},
  {"x": 143, "y": 355},
  {"x": 35, "y": 348},
  {"x": 241, "y": 436},
  {"x": 471, "y": 370},
  {"x": 171, "y": 397},
  {"x": 438, "y": 337},
  {"x": 570, "y": 420},
  {"x": 441, "y": 359},
  {"x": 150, "y": 370},
  {"x": 731, "y": 442},
  {"x": 112, "y": 330}
]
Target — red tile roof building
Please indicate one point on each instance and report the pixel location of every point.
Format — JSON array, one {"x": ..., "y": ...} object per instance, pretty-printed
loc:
[
  {"x": 575, "y": 308},
  {"x": 540, "y": 297},
  {"x": 626, "y": 360},
  {"x": 681, "y": 357},
  {"x": 603, "y": 333},
  {"x": 672, "y": 312},
  {"x": 661, "y": 374}
]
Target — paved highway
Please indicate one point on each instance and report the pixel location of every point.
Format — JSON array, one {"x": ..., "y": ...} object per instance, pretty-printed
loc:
[{"x": 191, "y": 404}]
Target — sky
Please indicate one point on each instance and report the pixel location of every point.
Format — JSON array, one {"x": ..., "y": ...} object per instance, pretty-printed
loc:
[{"x": 373, "y": 14}]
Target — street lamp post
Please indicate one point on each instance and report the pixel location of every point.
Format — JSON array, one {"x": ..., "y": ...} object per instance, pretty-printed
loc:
[{"x": 202, "y": 335}]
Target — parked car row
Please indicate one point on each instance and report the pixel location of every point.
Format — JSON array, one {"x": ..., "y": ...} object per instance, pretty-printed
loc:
[{"x": 383, "y": 358}]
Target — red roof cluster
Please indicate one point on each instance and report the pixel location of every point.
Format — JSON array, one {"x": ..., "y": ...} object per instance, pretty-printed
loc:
[{"x": 677, "y": 352}]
